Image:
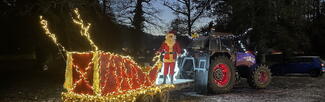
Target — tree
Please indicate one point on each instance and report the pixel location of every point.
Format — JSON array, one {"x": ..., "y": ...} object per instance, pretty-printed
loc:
[
  {"x": 179, "y": 25},
  {"x": 139, "y": 14},
  {"x": 138, "y": 18},
  {"x": 220, "y": 11},
  {"x": 317, "y": 30},
  {"x": 191, "y": 10},
  {"x": 278, "y": 24},
  {"x": 284, "y": 25},
  {"x": 106, "y": 6}
]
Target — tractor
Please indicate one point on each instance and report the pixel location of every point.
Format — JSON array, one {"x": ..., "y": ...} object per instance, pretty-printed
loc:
[{"x": 218, "y": 61}]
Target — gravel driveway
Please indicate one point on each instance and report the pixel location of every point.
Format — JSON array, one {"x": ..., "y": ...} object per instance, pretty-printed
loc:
[
  {"x": 31, "y": 86},
  {"x": 290, "y": 88}
]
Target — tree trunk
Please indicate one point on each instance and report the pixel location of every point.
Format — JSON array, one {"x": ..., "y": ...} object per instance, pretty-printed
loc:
[
  {"x": 189, "y": 26},
  {"x": 138, "y": 18},
  {"x": 104, "y": 6}
]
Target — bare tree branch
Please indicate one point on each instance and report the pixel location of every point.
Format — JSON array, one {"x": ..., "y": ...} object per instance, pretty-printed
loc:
[
  {"x": 125, "y": 10},
  {"x": 173, "y": 9},
  {"x": 200, "y": 12},
  {"x": 191, "y": 9},
  {"x": 181, "y": 1}
]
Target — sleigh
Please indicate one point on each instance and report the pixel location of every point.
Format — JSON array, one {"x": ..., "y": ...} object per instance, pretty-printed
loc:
[{"x": 103, "y": 76}]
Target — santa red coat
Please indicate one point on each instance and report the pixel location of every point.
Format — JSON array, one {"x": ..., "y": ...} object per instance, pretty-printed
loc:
[{"x": 170, "y": 51}]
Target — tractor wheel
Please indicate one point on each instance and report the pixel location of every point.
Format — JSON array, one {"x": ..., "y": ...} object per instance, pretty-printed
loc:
[
  {"x": 145, "y": 98},
  {"x": 221, "y": 75},
  {"x": 260, "y": 77}
]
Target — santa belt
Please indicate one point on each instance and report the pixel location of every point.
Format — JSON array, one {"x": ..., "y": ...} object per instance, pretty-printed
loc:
[{"x": 170, "y": 53}]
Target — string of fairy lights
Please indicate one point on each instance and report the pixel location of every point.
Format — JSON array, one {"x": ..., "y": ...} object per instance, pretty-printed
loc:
[
  {"x": 82, "y": 76},
  {"x": 125, "y": 95},
  {"x": 84, "y": 28},
  {"x": 52, "y": 36},
  {"x": 129, "y": 96},
  {"x": 237, "y": 38}
]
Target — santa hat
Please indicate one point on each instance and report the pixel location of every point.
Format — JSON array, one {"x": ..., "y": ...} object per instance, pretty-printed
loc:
[{"x": 171, "y": 33}]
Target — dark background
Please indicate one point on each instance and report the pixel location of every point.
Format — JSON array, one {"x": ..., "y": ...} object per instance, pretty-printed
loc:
[{"x": 28, "y": 57}]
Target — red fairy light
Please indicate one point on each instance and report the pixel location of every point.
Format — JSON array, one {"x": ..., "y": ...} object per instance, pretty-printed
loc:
[{"x": 153, "y": 74}]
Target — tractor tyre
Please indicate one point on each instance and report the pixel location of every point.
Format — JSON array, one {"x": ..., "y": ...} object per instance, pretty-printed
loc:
[
  {"x": 221, "y": 77},
  {"x": 259, "y": 78}
]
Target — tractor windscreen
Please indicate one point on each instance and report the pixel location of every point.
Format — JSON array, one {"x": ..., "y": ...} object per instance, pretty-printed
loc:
[
  {"x": 223, "y": 44},
  {"x": 199, "y": 44}
]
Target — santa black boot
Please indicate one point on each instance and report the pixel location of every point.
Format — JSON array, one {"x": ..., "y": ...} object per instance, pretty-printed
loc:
[
  {"x": 164, "y": 82},
  {"x": 172, "y": 79}
]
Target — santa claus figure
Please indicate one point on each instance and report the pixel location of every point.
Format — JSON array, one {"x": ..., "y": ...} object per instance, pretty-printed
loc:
[{"x": 170, "y": 48}]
